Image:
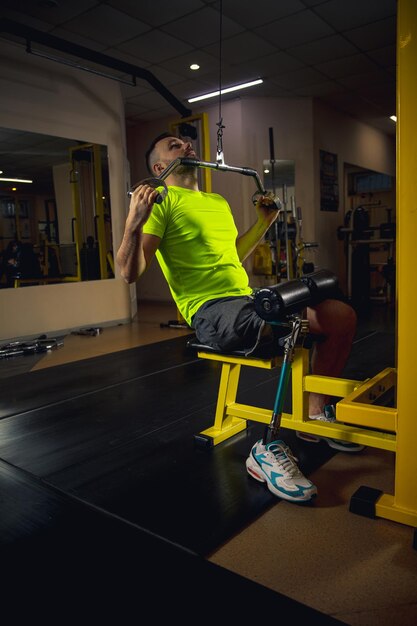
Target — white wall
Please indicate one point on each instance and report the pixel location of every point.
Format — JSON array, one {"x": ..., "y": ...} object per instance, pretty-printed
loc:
[{"x": 45, "y": 97}]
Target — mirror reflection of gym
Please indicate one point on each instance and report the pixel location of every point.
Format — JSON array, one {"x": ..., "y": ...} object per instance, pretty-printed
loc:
[
  {"x": 57, "y": 227},
  {"x": 284, "y": 254},
  {"x": 368, "y": 238}
]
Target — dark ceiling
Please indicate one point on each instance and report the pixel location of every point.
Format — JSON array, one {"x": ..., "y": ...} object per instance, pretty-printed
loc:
[{"x": 340, "y": 52}]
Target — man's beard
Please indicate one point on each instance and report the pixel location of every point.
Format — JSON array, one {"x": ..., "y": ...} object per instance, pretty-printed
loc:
[{"x": 186, "y": 171}]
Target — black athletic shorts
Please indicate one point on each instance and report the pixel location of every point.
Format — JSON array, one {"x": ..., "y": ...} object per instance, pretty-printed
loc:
[
  {"x": 229, "y": 324},
  {"x": 232, "y": 324}
]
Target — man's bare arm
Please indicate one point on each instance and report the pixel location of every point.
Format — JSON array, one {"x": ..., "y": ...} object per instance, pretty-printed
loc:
[
  {"x": 135, "y": 254},
  {"x": 267, "y": 214},
  {"x": 137, "y": 249}
]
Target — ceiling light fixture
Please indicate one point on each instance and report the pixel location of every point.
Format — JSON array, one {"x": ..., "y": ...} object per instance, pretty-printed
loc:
[
  {"x": 393, "y": 118},
  {"x": 194, "y": 66},
  {"x": 16, "y": 180},
  {"x": 213, "y": 94}
]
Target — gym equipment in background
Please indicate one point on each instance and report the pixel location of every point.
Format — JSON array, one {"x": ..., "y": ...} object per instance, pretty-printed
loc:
[{"x": 369, "y": 249}]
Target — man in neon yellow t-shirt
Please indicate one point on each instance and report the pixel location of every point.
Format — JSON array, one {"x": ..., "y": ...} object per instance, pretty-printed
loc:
[{"x": 200, "y": 252}]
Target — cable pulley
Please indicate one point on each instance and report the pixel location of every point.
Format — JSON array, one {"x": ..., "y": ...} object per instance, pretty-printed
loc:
[{"x": 220, "y": 155}]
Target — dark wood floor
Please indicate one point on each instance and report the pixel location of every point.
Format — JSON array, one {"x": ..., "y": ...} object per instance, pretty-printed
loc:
[
  {"x": 118, "y": 431},
  {"x": 98, "y": 467}
]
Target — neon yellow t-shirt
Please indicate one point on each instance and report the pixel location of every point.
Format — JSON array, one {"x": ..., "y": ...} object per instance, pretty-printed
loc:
[{"x": 197, "y": 253}]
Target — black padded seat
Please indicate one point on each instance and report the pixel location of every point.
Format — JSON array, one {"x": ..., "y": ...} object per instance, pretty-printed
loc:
[{"x": 266, "y": 350}]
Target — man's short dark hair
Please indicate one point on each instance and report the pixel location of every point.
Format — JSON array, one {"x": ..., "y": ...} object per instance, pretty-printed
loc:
[{"x": 152, "y": 146}]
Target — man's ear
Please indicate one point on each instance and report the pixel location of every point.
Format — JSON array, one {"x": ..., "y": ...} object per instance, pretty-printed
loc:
[{"x": 158, "y": 168}]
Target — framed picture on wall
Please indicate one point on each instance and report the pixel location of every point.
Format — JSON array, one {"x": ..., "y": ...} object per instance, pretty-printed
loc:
[
  {"x": 329, "y": 182},
  {"x": 7, "y": 207},
  {"x": 23, "y": 208}
]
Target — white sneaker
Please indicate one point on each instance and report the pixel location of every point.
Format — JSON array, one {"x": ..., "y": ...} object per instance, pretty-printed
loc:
[
  {"x": 275, "y": 464},
  {"x": 329, "y": 415}
]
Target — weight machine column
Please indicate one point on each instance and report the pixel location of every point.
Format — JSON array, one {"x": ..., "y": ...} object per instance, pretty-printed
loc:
[{"x": 404, "y": 504}]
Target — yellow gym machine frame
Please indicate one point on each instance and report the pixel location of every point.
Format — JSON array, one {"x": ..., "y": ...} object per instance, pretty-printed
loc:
[
  {"x": 359, "y": 417},
  {"x": 363, "y": 416},
  {"x": 231, "y": 417}
]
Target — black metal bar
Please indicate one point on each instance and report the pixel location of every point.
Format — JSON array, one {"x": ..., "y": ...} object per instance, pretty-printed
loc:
[
  {"x": 246, "y": 171},
  {"x": 31, "y": 34},
  {"x": 271, "y": 145}
]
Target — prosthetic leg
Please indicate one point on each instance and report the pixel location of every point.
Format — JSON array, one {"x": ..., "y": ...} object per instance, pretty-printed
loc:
[
  {"x": 299, "y": 327},
  {"x": 270, "y": 460},
  {"x": 283, "y": 304}
]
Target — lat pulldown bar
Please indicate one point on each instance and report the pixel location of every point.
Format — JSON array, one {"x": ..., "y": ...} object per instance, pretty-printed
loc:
[{"x": 158, "y": 182}]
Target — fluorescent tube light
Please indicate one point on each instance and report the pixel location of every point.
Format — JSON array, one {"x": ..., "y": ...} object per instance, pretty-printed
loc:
[
  {"x": 226, "y": 90},
  {"x": 16, "y": 180}
]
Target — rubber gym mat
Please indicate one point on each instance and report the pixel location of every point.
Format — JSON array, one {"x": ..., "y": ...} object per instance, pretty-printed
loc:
[
  {"x": 30, "y": 390},
  {"x": 62, "y": 558},
  {"x": 128, "y": 446}
]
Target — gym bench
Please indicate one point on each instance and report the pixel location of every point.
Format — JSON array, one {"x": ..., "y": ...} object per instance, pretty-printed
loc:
[{"x": 359, "y": 417}]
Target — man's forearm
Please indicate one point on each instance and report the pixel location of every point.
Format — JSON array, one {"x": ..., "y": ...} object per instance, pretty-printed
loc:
[
  {"x": 130, "y": 256},
  {"x": 246, "y": 243}
]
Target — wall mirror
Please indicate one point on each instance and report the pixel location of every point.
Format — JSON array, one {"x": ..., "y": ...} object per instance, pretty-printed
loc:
[
  {"x": 279, "y": 178},
  {"x": 368, "y": 234},
  {"x": 55, "y": 215},
  {"x": 277, "y": 174}
]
